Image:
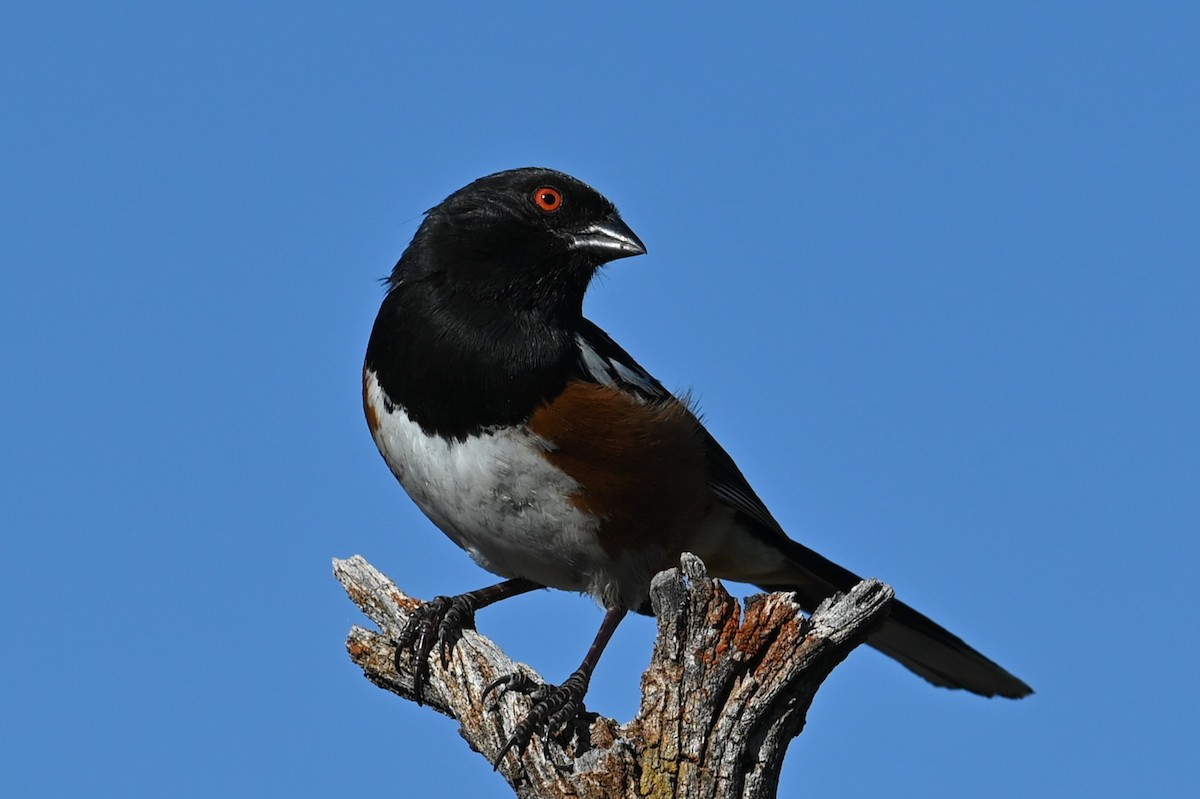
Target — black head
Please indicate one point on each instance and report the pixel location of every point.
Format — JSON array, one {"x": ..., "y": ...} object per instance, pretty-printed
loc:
[{"x": 527, "y": 239}]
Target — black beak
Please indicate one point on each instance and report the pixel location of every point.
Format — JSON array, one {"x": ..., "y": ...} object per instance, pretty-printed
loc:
[{"x": 608, "y": 240}]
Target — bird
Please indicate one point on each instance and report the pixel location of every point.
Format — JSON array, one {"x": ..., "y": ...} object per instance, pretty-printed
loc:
[{"x": 539, "y": 446}]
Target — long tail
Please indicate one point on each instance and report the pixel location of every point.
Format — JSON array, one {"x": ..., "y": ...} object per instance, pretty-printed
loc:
[{"x": 911, "y": 638}]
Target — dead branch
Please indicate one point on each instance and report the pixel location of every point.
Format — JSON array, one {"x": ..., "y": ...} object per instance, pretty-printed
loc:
[{"x": 724, "y": 694}]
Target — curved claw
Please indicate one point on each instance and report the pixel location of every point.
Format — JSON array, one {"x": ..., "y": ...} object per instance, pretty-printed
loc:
[
  {"x": 518, "y": 681},
  {"x": 556, "y": 707},
  {"x": 459, "y": 616},
  {"x": 438, "y": 622}
]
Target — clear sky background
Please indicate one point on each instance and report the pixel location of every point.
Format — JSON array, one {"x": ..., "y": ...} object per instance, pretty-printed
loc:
[{"x": 932, "y": 270}]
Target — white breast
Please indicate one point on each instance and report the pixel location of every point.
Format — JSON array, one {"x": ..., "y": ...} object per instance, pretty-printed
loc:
[{"x": 496, "y": 497}]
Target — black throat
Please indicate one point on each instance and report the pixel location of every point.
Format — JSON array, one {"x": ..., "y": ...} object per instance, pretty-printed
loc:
[{"x": 458, "y": 367}]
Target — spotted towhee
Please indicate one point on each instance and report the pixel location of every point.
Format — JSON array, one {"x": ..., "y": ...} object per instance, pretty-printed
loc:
[{"x": 545, "y": 451}]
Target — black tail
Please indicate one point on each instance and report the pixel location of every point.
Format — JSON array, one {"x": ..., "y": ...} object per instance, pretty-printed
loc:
[{"x": 914, "y": 640}]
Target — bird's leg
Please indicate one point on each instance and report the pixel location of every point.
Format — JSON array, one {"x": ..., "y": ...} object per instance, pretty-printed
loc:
[
  {"x": 555, "y": 706},
  {"x": 443, "y": 619}
]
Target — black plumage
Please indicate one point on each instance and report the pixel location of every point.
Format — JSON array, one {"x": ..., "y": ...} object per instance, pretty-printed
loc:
[{"x": 482, "y": 332}]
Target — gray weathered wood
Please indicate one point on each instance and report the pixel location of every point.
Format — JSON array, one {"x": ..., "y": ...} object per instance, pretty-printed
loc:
[{"x": 724, "y": 694}]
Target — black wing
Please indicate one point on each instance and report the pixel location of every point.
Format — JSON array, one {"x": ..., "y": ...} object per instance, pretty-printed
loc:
[
  {"x": 602, "y": 360},
  {"x": 908, "y": 636}
]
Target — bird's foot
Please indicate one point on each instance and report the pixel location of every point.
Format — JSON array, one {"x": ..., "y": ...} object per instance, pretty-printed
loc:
[
  {"x": 555, "y": 706},
  {"x": 438, "y": 622}
]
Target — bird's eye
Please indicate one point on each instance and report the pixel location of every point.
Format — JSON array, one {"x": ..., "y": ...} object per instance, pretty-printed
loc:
[{"x": 548, "y": 198}]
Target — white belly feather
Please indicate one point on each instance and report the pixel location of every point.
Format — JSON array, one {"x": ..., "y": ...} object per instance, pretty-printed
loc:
[{"x": 496, "y": 497}]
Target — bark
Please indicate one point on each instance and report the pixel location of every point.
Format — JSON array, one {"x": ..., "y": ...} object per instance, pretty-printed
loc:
[{"x": 724, "y": 694}]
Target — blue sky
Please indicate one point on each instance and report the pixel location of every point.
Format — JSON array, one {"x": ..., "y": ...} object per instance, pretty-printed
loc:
[{"x": 932, "y": 271}]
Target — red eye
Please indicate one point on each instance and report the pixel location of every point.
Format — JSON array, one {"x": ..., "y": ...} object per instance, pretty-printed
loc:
[{"x": 548, "y": 198}]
